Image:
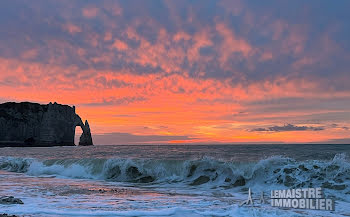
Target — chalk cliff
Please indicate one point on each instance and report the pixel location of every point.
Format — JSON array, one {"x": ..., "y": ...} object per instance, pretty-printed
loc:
[{"x": 32, "y": 124}]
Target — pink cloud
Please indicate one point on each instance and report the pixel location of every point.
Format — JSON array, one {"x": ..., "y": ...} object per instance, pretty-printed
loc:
[
  {"x": 231, "y": 44},
  {"x": 29, "y": 54},
  {"x": 71, "y": 28},
  {"x": 114, "y": 8},
  {"x": 120, "y": 45},
  {"x": 181, "y": 36},
  {"x": 90, "y": 12}
]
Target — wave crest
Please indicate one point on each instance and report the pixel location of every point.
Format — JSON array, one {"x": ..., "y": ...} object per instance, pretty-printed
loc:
[{"x": 270, "y": 172}]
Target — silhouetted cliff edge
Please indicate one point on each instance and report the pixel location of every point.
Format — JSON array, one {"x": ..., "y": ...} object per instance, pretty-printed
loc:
[{"x": 32, "y": 124}]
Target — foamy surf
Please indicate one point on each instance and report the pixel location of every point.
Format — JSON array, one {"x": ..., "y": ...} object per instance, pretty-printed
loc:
[
  {"x": 198, "y": 186},
  {"x": 276, "y": 171}
]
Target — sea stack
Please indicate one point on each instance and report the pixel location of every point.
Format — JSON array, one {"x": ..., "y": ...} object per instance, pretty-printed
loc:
[
  {"x": 85, "y": 138},
  {"x": 32, "y": 124}
]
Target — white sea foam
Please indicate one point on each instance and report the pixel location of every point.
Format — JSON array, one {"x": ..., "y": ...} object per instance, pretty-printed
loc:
[
  {"x": 333, "y": 175},
  {"x": 202, "y": 187}
]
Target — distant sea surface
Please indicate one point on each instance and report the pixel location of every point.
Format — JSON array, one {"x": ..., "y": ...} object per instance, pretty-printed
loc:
[{"x": 170, "y": 180}]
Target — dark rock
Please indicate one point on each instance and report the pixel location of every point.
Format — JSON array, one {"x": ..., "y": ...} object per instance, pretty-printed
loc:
[
  {"x": 10, "y": 200},
  {"x": 300, "y": 185},
  {"x": 7, "y": 215},
  {"x": 276, "y": 170},
  {"x": 303, "y": 168},
  {"x": 102, "y": 190},
  {"x": 289, "y": 181},
  {"x": 200, "y": 180},
  {"x": 333, "y": 167},
  {"x": 338, "y": 180},
  {"x": 288, "y": 170},
  {"x": 192, "y": 170},
  {"x": 227, "y": 180},
  {"x": 145, "y": 179},
  {"x": 279, "y": 179},
  {"x": 133, "y": 172},
  {"x": 322, "y": 174},
  {"x": 316, "y": 167},
  {"x": 340, "y": 175},
  {"x": 32, "y": 124},
  {"x": 240, "y": 181},
  {"x": 209, "y": 170},
  {"x": 86, "y": 138},
  {"x": 333, "y": 186},
  {"x": 316, "y": 176}
]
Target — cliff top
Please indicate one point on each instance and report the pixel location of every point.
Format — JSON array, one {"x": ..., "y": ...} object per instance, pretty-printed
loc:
[{"x": 23, "y": 107}]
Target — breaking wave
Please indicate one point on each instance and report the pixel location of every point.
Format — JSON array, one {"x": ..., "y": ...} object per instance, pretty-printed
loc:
[{"x": 272, "y": 172}]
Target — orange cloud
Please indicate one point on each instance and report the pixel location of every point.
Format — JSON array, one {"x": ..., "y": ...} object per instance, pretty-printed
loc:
[
  {"x": 71, "y": 28},
  {"x": 90, "y": 12},
  {"x": 181, "y": 36},
  {"x": 120, "y": 45}
]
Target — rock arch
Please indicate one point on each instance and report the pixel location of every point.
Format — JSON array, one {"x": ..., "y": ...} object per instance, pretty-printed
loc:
[
  {"x": 32, "y": 124},
  {"x": 85, "y": 138}
]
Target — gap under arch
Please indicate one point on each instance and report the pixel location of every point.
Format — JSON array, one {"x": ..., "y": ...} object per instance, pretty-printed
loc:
[{"x": 78, "y": 133}]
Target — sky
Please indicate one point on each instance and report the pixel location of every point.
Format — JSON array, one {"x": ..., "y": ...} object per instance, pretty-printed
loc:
[{"x": 194, "y": 71}]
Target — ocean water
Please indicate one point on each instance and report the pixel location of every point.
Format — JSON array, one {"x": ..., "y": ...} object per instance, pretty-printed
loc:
[{"x": 170, "y": 180}]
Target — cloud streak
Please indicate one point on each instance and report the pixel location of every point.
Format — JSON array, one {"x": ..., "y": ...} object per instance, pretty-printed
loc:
[{"x": 286, "y": 128}]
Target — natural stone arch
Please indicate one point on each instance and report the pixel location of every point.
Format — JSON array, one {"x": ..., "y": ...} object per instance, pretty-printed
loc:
[
  {"x": 85, "y": 138},
  {"x": 32, "y": 124}
]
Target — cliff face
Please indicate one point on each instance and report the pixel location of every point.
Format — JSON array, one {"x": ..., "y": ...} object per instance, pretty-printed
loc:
[{"x": 32, "y": 124}]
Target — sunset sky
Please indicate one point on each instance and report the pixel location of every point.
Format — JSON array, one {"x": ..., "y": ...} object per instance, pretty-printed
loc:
[{"x": 184, "y": 71}]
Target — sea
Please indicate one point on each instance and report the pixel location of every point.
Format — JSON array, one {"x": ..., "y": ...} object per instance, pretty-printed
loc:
[{"x": 170, "y": 180}]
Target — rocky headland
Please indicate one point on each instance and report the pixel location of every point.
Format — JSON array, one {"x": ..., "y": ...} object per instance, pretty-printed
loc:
[{"x": 34, "y": 125}]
